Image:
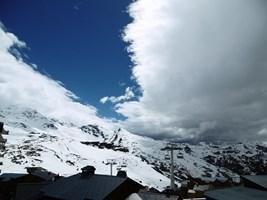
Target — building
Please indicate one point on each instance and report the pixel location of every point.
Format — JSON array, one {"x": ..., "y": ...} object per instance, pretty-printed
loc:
[
  {"x": 11, "y": 183},
  {"x": 236, "y": 193},
  {"x": 40, "y": 184},
  {"x": 257, "y": 182},
  {"x": 156, "y": 196},
  {"x": 147, "y": 195},
  {"x": 254, "y": 187},
  {"x": 90, "y": 186}
]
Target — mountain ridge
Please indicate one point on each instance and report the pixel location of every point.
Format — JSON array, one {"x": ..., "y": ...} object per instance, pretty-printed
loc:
[{"x": 64, "y": 147}]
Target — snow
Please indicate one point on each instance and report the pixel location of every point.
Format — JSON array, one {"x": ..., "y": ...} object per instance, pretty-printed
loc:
[
  {"x": 63, "y": 144},
  {"x": 58, "y": 148},
  {"x": 133, "y": 196}
]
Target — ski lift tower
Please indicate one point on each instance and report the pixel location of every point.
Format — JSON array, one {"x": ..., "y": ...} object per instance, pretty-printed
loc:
[
  {"x": 111, "y": 162},
  {"x": 171, "y": 147}
]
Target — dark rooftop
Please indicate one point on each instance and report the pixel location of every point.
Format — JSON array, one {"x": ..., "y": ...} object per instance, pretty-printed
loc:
[
  {"x": 35, "y": 171},
  {"x": 77, "y": 187},
  {"x": 9, "y": 176},
  {"x": 41, "y": 173},
  {"x": 237, "y": 193},
  {"x": 260, "y": 180},
  {"x": 155, "y": 196},
  {"x": 29, "y": 191}
]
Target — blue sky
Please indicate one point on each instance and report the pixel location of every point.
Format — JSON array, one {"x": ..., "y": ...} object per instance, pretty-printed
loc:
[{"x": 76, "y": 42}]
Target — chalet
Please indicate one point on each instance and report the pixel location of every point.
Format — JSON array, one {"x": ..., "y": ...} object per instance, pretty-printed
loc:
[
  {"x": 90, "y": 186},
  {"x": 10, "y": 182},
  {"x": 194, "y": 188},
  {"x": 254, "y": 187}
]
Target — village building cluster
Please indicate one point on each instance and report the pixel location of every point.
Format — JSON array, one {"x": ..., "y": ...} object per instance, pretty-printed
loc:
[{"x": 40, "y": 184}]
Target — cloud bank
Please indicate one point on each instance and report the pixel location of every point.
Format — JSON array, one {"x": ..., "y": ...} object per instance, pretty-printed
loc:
[
  {"x": 22, "y": 85},
  {"x": 201, "y": 67}
]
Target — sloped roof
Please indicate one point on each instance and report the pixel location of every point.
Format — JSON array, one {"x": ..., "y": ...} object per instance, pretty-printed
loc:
[
  {"x": 237, "y": 193},
  {"x": 41, "y": 173},
  {"x": 29, "y": 191},
  {"x": 260, "y": 180},
  {"x": 9, "y": 176},
  {"x": 77, "y": 187},
  {"x": 155, "y": 196}
]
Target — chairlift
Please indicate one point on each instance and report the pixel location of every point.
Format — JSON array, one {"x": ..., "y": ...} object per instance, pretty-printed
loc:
[
  {"x": 180, "y": 155},
  {"x": 124, "y": 165},
  {"x": 167, "y": 157}
]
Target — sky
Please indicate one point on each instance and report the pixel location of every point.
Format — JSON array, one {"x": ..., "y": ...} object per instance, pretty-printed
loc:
[
  {"x": 176, "y": 69},
  {"x": 76, "y": 42}
]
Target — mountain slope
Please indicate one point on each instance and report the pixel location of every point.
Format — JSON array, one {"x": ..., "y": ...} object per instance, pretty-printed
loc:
[{"x": 36, "y": 140}]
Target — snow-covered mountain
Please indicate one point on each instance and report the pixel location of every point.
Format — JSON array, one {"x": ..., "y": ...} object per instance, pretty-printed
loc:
[{"x": 64, "y": 147}]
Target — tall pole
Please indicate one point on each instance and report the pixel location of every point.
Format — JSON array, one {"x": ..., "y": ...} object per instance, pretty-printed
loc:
[
  {"x": 111, "y": 166},
  {"x": 172, "y": 170},
  {"x": 111, "y": 162},
  {"x": 171, "y": 148}
]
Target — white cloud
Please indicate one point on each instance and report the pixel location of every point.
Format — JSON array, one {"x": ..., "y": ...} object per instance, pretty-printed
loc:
[
  {"x": 104, "y": 100},
  {"x": 22, "y": 84},
  {"x": 202, "y": 67},
  {"x": 129, "y": 94}
]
